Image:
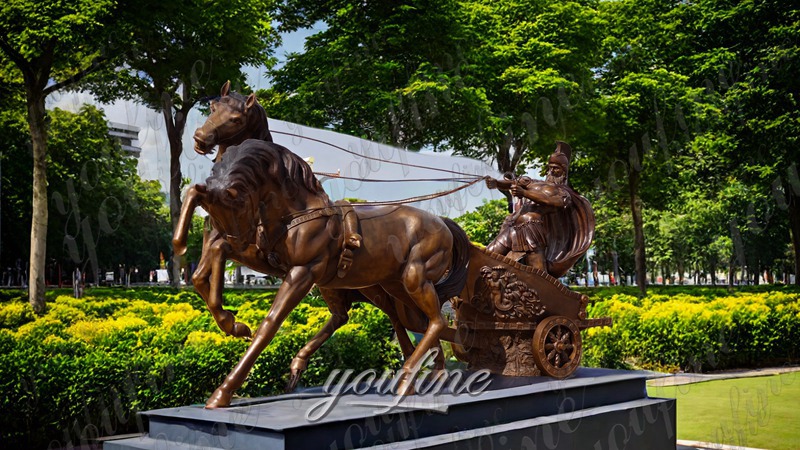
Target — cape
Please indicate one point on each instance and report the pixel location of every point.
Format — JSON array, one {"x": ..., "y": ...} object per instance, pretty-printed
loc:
[{"x": 569, "y": 234}]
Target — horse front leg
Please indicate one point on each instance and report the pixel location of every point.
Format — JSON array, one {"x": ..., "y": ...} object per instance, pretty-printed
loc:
[
  {"x": 297, "y": 284},
  {"x": 339, "y": 302},
  {"x": 209, "y": 280}
]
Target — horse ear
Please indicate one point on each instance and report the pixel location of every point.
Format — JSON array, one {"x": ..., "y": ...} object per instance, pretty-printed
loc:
[
  {"x": 250, "y": 101},
  {"x": 226, "y": 88},
  {"x": 232, "y": 192},
  {"x": 201, "y": 188}
]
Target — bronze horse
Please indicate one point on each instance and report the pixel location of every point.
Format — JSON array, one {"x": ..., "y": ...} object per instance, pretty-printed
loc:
[
  {"x": 270, "y": 213},
  {"x": 227, "y": 127},
  {"x": 233, "y": 119}
]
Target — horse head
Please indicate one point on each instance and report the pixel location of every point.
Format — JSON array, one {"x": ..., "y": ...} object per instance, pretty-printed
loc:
[
  {"x": 257, "y": 183},
  {"x": 234, "y": 119}
]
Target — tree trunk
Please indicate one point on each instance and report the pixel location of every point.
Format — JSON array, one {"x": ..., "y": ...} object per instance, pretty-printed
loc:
[
  {"x": 615, "y": 258},
  {"x": 638, "y": 232},
  {"x": 175, "y": 126},
  {"x": 794, "y": 225},
  {"x": 713, "y": 272},
  {"x": 38, "y": 129},
  {"x": 731, "y": 271},
  {"x": 175, "y": 176}
]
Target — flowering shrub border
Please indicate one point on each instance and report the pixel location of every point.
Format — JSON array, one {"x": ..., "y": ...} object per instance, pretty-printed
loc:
[
  {"x": 88, "y": 365},
  {"x": 695, "y": 333}
]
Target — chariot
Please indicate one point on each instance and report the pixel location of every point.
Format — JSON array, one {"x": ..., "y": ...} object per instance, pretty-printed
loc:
[{"x": 516, "y": 320}]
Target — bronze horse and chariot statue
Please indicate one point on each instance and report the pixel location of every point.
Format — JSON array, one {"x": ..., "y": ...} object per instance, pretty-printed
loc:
[{"x": 269, "y": 212}]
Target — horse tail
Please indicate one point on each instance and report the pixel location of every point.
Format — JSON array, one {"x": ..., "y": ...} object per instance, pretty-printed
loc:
[{"x": 457, "y": 278}]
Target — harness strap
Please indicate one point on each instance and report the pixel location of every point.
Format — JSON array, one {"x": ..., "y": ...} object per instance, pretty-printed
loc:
[
  {"x": 352, "y": 240},
  {"x": 324, "y": 212}
]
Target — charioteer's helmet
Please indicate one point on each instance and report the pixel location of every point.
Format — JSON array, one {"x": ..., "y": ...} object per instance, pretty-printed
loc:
[{"x": 562, "y": 155}]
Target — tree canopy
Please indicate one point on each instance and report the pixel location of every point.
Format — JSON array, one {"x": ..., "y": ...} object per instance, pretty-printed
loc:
[
  {"x": 683, "y": 116},
  {"x": 487, "y": 79}
]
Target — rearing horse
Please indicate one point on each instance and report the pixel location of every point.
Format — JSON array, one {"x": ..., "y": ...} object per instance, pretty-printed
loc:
[
  {"x": 261, "y": 192},
  {"x": 227, "y": 127}
]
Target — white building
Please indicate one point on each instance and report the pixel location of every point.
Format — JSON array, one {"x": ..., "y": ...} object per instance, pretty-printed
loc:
[{"x": 128, "y": 137}]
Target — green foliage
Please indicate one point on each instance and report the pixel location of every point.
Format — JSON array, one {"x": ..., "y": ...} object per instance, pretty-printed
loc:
[
  {"x": 86, "y": 366},
  {"x": 695, "y": 331},
  {"x": 102, "y": 213},
  {"x": 483, "y": 224},
  {"x": 488, "y": 79}
]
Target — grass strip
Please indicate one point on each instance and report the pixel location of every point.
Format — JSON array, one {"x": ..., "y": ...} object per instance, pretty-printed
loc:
[{"x": 761, "y": 412}]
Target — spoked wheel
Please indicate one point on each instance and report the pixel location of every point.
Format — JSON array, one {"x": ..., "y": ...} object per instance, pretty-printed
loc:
[{"x": 557, "y": 346}]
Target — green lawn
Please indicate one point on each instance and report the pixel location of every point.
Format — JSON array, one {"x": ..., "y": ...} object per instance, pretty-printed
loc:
[{"x": 760, "y": 412}]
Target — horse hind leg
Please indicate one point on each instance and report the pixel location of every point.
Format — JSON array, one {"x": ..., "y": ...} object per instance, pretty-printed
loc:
[
  {"x": 386, "y": 303},
  {"x": 417, "y": 323},
  {"x": 208, "y": 281},
  {"x": 423, "y": 293},
  {"x": 339, "y": 302}
]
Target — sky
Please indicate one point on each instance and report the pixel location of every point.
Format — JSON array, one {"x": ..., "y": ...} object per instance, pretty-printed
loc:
[{"x": 154, "y": 158}]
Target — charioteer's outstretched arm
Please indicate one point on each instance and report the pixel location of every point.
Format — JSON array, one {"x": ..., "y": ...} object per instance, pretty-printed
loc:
[
  {"x": 543, "y": 193},
  {"x": 504, "y": 185}
]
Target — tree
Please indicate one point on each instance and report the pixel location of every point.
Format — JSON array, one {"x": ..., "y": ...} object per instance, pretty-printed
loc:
[
  {"x": 490, "y": 80},
  {"x": 50, "y": 45},
  {"x": 747, "y": 54},
  {"x": 651, "y": 111},
  {"x": 103, "y": 213},
  {"x": 352, "y": 75},
  {"x": 483, "y": 224},
  {"x": 613, "y": 241},
  {"x": 182, "y": 52}
]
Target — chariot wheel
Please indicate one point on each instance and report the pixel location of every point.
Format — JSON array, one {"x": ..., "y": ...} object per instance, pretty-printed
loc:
[{"x": 557, "y": 346}]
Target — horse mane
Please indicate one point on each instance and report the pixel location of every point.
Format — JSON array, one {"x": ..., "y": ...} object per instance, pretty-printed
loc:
[
  {"x": 260, "y": 119},
  {"x": 255, "y": 163}
]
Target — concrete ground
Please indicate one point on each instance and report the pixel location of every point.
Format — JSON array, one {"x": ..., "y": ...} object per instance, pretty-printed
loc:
[{"x": 662, "y": 379}]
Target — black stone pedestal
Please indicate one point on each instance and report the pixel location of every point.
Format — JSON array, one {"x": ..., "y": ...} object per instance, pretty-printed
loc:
[{"x": 596, "y": 409}]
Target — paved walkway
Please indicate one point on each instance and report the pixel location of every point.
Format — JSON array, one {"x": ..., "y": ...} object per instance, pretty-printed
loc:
[{"x": 665, "y": 379}]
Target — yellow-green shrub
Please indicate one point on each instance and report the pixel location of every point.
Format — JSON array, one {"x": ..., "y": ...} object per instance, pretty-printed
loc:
[
  {"x": 696, "y": 333},
  {"x": 89, "y": 364}
]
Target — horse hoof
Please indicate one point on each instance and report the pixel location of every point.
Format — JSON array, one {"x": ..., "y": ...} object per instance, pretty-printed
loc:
[
  {"x": 406, "y": 387},
  {"x": 242, "y": 330},
  {"x": 294, "y": 378},
  {"x": 219, "y": 399}
]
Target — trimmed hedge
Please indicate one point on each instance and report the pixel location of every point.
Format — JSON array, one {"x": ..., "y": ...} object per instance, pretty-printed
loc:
[
  {"x": 88, "y": 365},
  {"x": 695, "y": 333},
  {"x": 85, "y": 367}
]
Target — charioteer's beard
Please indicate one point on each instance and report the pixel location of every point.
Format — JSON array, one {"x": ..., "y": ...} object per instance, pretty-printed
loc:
[{"x": 556, "y": 180}]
